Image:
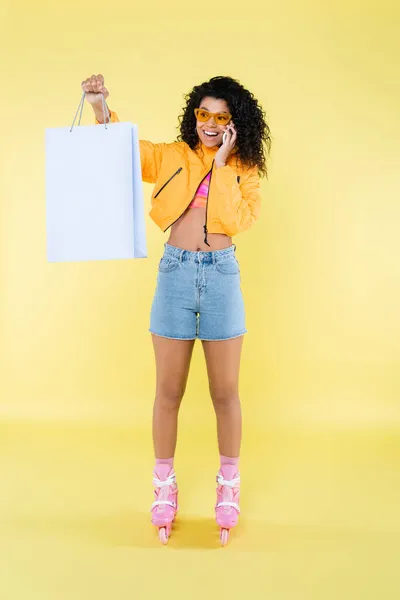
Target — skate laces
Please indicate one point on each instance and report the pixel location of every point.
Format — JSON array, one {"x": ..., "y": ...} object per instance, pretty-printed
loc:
[
  {"x": 227, "y": 492},
  {"x": 163, "y": 489},
  {"x": 159, "y": 483},
  {"x": 230, "y": 483}
]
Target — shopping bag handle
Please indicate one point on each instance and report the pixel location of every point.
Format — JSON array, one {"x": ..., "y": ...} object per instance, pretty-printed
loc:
[{"x": 80, "y": 108}]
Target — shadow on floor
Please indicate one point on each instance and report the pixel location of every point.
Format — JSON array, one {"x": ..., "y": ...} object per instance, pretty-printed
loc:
[{"x": 129, "y": 528}]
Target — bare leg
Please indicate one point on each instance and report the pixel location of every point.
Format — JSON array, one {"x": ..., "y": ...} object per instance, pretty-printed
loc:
[
  {"x": 172, "y": 366},
  {"x": 223, "y": 363}
]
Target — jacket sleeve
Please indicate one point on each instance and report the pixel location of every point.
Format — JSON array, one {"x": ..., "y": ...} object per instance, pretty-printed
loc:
[
  {"x": 151, "y": 159},
  {"x": 150, "y": 155},
  {"x": 244, "y": 198},
  {"x": 114, "y": 118}
]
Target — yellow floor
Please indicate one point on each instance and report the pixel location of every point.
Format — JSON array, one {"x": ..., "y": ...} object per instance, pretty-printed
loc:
[{"x": 320, "y": 518}]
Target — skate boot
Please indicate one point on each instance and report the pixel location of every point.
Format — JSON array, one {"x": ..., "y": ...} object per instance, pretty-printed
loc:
[
  {"x": 227, "y": 506},
  {"x": 165, "y": 505}
]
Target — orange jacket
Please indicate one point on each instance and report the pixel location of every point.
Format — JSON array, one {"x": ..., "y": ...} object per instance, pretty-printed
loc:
[{"x": 234, "y": 192}]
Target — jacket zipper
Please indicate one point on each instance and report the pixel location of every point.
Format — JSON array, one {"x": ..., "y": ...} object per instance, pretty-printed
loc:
[
  {"x": 167, "y": 182},
  {"x": 205, "y": 226},
  {"x": 208, "y": 191}
]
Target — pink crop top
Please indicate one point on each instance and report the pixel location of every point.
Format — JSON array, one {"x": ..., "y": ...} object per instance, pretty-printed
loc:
[{"x": 200, "y": 199}]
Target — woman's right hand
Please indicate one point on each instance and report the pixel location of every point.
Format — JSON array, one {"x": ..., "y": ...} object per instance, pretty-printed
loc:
[{"x": 95, "y": 89}]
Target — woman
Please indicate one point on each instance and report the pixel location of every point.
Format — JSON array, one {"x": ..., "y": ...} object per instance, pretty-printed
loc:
[{"x": 207, "y": 189}]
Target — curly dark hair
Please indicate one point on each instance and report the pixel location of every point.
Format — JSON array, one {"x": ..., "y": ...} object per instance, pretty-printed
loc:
[{"x": 253, "y": 134}]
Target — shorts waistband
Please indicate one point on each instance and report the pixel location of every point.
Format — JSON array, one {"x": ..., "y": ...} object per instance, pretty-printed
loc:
[{"x": 199, "y": 257}]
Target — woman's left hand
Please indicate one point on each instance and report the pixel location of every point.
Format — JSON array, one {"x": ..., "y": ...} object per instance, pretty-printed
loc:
[{"x": 224, "y": 151}]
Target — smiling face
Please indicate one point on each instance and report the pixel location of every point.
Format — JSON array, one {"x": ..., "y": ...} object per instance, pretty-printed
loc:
[{"x": 211, "y": 133}]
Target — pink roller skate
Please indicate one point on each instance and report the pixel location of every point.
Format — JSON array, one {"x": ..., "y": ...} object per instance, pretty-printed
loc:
[
  {"x": 165, "y": 505},
  {"x": 227, "y": 507}
]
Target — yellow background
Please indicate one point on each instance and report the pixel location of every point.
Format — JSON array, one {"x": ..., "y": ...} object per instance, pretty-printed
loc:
[{"x": 321, "y": 366}]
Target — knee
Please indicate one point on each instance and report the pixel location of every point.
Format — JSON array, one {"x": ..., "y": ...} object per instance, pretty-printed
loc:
[
  {"x": 169, "y": 397},
  {"x": 225, "y": 398}
]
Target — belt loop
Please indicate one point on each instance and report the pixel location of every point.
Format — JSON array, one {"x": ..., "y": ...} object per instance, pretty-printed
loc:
[
  {"x": 234, "y": 247},
  {"x": 214, "y": 258},
  {"x": 181, "y": 255}
]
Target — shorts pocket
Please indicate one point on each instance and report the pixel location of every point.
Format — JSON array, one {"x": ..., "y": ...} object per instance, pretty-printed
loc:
[
  {"x": 229, "y": 266},
  {"x": 168, "y": 264}
]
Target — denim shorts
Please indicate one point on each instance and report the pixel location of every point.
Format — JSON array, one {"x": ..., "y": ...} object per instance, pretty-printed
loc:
[{"x": 198, "y": 296}]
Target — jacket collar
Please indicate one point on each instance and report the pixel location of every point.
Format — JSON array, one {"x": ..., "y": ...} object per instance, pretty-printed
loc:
[{"x": 210, "y": 152}]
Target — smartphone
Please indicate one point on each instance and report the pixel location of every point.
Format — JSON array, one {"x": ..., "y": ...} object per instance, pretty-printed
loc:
[{"x": 224, "y": 137}]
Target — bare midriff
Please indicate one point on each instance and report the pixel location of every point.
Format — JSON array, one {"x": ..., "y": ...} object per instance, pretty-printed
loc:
[{"x": 188, "y": 233}]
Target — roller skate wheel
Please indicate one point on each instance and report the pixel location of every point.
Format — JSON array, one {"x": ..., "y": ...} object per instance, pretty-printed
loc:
[
  {"x": 163, "y": 535},
  {"x": 224, "y": 536}
]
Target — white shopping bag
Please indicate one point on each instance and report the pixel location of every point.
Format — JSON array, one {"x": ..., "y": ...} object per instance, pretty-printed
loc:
[{"x": 94, "y": 196}]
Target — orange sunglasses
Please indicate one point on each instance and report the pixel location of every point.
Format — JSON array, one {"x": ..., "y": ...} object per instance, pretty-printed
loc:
[{"x": 203, "y": 115}]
